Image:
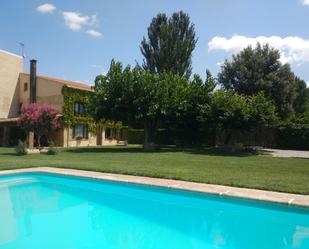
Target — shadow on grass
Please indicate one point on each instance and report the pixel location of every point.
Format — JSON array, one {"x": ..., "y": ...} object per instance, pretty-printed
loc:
[
  {"x": 213, "y": 151},
  {"x": 8, "y": 154},
  {"x": 7, "y": 151},
  {"x": 209, "y": 151}
]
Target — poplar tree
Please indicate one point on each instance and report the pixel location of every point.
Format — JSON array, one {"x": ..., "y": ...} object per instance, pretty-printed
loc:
[{"x": 169, "y": 45}]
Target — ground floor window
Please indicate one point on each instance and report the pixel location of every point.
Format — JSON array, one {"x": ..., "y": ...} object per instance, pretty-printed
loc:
[
  {"x": 110, "y": 133},
  {"x": 80, "y": 131}
]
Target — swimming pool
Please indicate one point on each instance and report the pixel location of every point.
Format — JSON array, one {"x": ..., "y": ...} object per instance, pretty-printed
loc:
[{"x": 39, "y": 210}]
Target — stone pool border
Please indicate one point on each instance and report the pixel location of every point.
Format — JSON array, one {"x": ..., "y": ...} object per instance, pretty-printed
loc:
[{"x": 245, "y": 193}]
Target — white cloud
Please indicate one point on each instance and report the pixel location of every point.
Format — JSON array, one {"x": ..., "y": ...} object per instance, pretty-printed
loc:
[
  {"x": 75, "y": 21},
  {"x": 46, "y": 8},
  {"x": 294, "y": 49},
  {"x": 305, "y": 2},
  {"x": 94, "y": 33}
]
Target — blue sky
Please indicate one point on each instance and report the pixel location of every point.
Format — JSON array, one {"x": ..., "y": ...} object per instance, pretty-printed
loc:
[{"x": 76, "y": 39}]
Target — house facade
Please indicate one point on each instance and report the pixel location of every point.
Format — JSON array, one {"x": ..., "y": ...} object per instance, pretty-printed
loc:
[{"x": 70, "y": 98}]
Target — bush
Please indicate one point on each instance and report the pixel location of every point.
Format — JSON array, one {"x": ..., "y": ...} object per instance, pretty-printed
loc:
[
  {"x": 293, "y": 137},
  {"x": 52, "y": 150},
  {"x": 178, "y": 137},
  {"x": 135, "y": 136},
  {"x": 21, "y": 148}
]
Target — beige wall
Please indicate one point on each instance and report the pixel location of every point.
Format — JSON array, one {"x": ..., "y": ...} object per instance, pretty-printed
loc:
[
  {"x": 69, "y": 141},
  {"x": 10, "y": 67},
  {"x": 48, "y": 91}
]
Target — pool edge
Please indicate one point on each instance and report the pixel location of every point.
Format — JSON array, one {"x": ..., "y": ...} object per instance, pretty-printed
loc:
[{"x": 221, "y": 190}]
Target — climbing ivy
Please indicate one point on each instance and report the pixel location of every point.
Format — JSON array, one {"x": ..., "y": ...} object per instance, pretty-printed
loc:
[{"x": 73, "y": 95}]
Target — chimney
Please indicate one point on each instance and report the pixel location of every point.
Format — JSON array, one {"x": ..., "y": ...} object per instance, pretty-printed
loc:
[{"x": 32, "y": 81}]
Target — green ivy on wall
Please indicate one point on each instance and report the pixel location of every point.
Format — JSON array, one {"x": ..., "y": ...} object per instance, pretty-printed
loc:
[{"x": 73, "y": 95}]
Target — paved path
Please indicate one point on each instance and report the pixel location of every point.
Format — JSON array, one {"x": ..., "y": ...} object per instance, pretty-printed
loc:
[{"x": 287, "y": 153}]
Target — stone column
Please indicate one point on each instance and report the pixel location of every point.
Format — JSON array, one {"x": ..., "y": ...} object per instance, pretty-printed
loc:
[{"x": 31, "y": 140}]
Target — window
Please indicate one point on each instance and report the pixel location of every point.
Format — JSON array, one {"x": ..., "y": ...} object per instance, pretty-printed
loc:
[
  {"x": 25, "y": 87},
  {"x": 110, "y": 133},
  {"x": 79, "y": 108},
  {"x": 80, "y": 131}
]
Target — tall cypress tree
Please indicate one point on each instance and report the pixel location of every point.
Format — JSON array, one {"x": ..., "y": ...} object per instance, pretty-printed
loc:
[{"x": 169, "y": 45}]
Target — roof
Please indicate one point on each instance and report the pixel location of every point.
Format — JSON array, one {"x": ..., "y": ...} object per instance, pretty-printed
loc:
[
  {"x": 8, "y": 120},
  {"x": 9, "y": 53},
  {"x": 68, "y": 83}
]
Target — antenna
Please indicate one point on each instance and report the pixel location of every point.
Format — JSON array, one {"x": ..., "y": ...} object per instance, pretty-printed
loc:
[{"x": 22, "y": 45}]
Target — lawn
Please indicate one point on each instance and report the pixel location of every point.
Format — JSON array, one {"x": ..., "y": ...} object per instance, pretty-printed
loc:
[{"x": 199, "y": 165}]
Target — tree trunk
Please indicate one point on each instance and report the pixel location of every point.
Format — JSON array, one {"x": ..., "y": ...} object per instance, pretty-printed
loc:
[
  {"x": 38, "y": 140},
  {"x": 149, "y": 131},
  {"x": 228, "y": 137}
]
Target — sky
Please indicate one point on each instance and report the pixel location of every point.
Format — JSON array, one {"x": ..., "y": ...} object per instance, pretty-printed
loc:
[{"x": 77, "y": 39}]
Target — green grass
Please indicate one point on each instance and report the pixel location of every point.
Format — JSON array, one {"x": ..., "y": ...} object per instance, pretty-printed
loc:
[{"x": 197, "y": 165}]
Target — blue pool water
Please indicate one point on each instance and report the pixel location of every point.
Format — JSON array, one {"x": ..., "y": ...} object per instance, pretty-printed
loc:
[{"x": 44, "y": 211}]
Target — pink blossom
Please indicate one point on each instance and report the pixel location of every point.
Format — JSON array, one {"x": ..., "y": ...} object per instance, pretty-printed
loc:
[{"x": 39, "y": 117}]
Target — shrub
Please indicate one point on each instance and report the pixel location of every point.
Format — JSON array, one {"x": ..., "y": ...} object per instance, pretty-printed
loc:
[
  {"x": 52, "y": 150},
  {"x": 135, "y": 136},
  {"x": 293, "y": 136},
  {"x": 21, "y": 148},
  {"x": 39, "y": 118}
]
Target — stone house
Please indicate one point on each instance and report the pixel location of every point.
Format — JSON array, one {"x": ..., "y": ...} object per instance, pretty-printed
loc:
[{"x": 18, "y": 88}]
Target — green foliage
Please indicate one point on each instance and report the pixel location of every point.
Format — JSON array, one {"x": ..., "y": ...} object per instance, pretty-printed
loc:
[
  {"x": 185, "y": 104},
  {"x": 258, "y": 69},
  {"x": 169, "y": 45},
  {"x": 231, "y": 111},
  {"x": 72, "y": 95},
  {"x": 52, "y": 150},
  {"x": 152, "y": 100},
  {"x": 21, "y": 148},
  {"x": 113, "y": 94},
  {"x": 135, "y": 136},
  {"x": 301, "y": 103},
  {"x": 293, "y": 134},
  {"x": 262, "y": 113},
  {"x": 174, "y": 137}
]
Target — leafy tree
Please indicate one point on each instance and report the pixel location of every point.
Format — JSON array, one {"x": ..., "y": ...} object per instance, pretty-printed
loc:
[
  {"x": 113, "y": 97},
  {"x": 169, "y": 45},
  {"x": 185, "y": 102},
  {"x": 259, "y": 69},
  {"x": 301, "y": 103},
  {"x": 39, "y": 118},
  {"x": 131, "y": 96},
  {"x": 231, "y": 112},
  {"x": 151, "y": 99},
  {"x": 262, "y": 112}
]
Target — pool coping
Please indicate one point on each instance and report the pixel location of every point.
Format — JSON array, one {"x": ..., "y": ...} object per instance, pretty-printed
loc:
[{"x": 221, "y": 190}]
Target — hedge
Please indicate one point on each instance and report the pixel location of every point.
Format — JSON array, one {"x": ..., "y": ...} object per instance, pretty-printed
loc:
[
  {"x": 292, "y": 137},
  {"x": 172, "y": 137},
  {"x": 285, "y": 136}
]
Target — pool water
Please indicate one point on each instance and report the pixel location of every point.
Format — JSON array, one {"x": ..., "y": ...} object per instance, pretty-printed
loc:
[{"x": 45, "y": 211}]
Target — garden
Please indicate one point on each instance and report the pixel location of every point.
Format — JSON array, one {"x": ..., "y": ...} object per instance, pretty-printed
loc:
[{"x": 187, "y": 127}]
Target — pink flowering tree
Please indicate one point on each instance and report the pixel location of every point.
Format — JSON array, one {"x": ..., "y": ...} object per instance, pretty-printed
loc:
[{"x": 39, "y": 118}]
